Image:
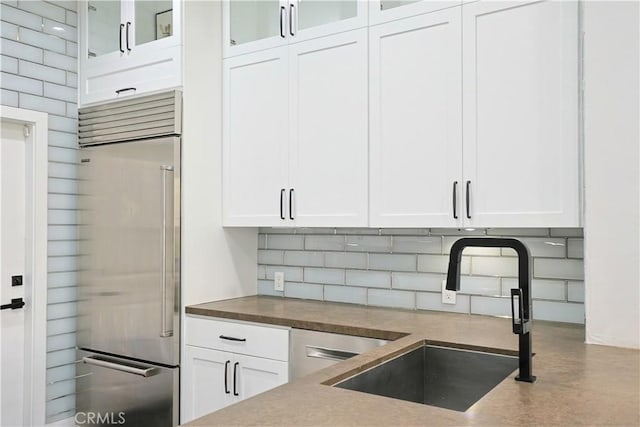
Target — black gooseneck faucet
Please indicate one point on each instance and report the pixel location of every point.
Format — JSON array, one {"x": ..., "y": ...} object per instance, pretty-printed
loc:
[{"x": 522, "y": 324}]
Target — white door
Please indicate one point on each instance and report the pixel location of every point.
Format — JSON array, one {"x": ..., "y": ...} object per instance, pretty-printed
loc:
[
  {"x": 255, "y": 138},
  {"x": 204, "y": 372},
  {"x": 520, "y": 85},
  {"x": 12, "y": 256},
  {"x": 328, "y": 131},
  {"x": 416, "y": 121},
  {"x": 255, "y": 375}
]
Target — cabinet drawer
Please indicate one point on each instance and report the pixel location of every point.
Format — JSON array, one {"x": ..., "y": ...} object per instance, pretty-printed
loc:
[{"x": 242, "y": 338}]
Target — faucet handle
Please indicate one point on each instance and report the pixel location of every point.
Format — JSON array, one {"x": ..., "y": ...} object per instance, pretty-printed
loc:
[{"x": 520, "y": 325}]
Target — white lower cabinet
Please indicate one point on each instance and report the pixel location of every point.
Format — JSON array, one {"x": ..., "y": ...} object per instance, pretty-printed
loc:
[
  {"x": 225, "y": 362},
  {"x": 214, "y": 379}
]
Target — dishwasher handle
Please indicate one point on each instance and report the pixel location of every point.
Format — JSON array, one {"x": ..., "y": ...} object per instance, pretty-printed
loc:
[
  {"x": 329, "y": 353},
  {"x": 103, "y": 363}
]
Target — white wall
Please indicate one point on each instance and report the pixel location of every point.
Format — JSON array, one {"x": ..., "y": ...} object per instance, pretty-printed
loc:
[
  {"x": 217, "y": 263},
  {"x": 612, "y": 189}
]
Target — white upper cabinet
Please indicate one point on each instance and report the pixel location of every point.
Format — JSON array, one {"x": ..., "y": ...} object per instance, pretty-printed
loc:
[
  {"x": 328, "y": 131},
  {"x": 466, "y": 116},
  {"x": 389, "y": 10},
  {"x": 128, "y": 47},
  {"x": 521, "y": 118},
  {"x": 295, "y": 134},
  {"x": 476, "y": 124},
  {"x": 253, "y": 25},
  {"x": 255, "y": 137},
  {"x": 249, "y": 26},
  {"x": 416, "y": 121}
]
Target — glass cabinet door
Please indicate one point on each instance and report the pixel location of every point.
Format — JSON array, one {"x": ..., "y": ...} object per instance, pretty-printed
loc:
[
  {"x": 103, "y": 25},
  {"x": 253, "y": 20},
  {"x": 390, "y": 4},
  {"x": 314, "y": 13},
  {"x": 390, "y": 10},
  {"x": 153, "y": 20}
]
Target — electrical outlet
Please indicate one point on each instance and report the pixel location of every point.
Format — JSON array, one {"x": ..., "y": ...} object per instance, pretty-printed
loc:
[
  {"x": 278, "y": 281},
  {"x": 448, "y": 297}
]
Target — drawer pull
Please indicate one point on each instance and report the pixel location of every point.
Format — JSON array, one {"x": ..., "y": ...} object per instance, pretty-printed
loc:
[
  {"x": 126, "y": 89},
  {"x": 224, "y": 337},
  {"x": 105, "y": 363},
  {"x": 329, "y": 353}
]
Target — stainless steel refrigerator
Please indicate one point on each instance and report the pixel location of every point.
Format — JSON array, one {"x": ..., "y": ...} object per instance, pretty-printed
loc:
[{"x": 129, "y": 262}]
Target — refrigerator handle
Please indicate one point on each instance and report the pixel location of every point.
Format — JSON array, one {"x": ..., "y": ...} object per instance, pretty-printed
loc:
[
  {"x": 143, "y": 372},
  {"x": 164, "y": 330}
]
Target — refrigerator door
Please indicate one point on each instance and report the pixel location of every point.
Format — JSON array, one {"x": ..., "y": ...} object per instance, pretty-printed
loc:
[
  {"x": 114, "y": 391},
  {"x": 129, "y": 249}
]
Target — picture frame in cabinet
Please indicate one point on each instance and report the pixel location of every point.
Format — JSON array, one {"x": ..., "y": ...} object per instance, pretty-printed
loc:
[{"x": 164, "y": 24}]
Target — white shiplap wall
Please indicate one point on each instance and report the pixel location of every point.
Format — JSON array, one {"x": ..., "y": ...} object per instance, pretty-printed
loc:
[{"x": 38, "y": 72}]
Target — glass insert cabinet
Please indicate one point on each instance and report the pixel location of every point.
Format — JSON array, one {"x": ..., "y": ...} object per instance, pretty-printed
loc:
[
  {"x": 255, "y": 25},
  {"x": 121, "y": 26},
  {"x": 128, "y": 47}
]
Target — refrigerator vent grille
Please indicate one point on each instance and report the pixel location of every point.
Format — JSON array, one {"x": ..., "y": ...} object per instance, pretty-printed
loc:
[{"x": 144, "y": 117}]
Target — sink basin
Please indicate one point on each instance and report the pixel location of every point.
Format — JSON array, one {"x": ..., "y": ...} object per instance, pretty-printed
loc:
[{"x": 440, "y": 376}]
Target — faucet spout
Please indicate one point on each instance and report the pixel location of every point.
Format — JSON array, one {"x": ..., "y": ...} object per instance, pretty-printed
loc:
[{"x": 522, "y": 324}]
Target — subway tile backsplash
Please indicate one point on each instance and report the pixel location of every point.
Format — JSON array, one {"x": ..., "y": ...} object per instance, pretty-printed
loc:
[{"x": 405, "y": 268}]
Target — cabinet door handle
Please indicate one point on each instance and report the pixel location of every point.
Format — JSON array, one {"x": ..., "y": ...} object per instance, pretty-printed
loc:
[
  {"x": 281, "y": 203},
  {"x": 468, "y": 197},
  {"x": 120, "y": 38},
  {"x": 127, "y": 38},
  {"x": 291, "y": 6},
  {"x": 455, "y": 199},
  {"x": 226, "y": 384},
  {"x": 291, "y": 204},
  {"x": 235, "y": 379},
  {"x": 282, "y": 16}
]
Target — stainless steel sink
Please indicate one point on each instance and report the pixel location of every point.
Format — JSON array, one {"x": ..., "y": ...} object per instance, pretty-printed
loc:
[{"x": 440, "y": 376}]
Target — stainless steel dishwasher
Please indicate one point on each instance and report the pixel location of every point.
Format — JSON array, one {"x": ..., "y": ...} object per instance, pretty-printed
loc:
[{"x": 313, "y": 350}]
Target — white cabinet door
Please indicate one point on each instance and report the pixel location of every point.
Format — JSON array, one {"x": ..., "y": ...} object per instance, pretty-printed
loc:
[
  {"x": 520, "y": 82},
  {"x": 389, "y": 10},
  {"x": 255, "y": 375},
  {"x": 204, "y": 372},
  {"x": 255, "y": 138},
  {"x": 416, "y": 121},
  {"x": 328, "y": 130}
]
